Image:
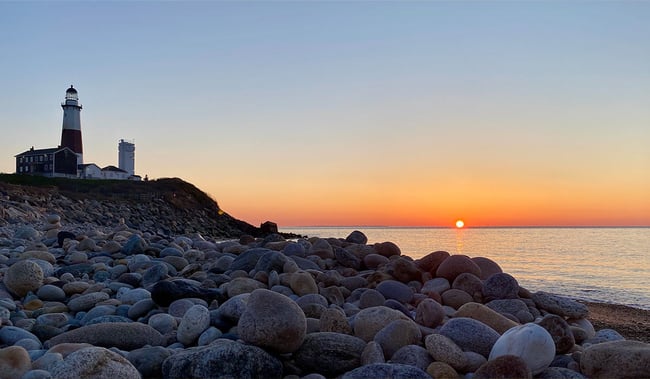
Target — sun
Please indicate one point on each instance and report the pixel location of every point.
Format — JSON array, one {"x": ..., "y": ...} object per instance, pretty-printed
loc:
[{"x": 460, "y": 224}]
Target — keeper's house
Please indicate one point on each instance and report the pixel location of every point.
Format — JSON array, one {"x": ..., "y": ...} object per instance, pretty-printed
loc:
[{"x": 57, "y": 161}]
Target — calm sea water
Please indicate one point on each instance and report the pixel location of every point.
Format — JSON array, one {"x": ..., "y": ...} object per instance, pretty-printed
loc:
[{"x": 601, "y": 264}]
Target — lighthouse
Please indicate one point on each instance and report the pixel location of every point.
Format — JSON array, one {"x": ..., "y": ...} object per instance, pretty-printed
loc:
[{"x": 71, "y": 134}]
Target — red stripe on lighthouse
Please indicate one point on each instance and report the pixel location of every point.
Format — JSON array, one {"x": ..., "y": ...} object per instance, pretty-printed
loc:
[{"x": 71, "y": 139}]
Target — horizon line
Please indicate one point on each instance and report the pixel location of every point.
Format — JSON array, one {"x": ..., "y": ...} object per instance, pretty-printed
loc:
[{"x": 473, "y": 227}]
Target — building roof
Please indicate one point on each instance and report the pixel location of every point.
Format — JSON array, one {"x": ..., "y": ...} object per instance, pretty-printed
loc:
[
  {"x": 49, "y": 150},
  {"x": 113, "y": 168},
  {"x": 84, "y": 165}
]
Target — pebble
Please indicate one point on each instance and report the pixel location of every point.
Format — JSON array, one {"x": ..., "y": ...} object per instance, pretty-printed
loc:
[{"x": 323, "y": 307}]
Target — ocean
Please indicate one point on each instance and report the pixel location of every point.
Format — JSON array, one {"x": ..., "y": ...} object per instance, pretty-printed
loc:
[{"x": 610, "y": 265}]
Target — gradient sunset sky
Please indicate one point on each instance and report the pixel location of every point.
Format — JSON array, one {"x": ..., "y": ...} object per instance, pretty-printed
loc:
[{"x": 351, "y": 113}]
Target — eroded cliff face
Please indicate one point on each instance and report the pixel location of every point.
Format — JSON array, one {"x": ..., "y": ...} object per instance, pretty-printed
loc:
[{"x": 164, "y": 206}]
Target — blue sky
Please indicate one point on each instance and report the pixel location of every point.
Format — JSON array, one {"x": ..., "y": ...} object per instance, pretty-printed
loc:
[{"x": 307, "y": 111}]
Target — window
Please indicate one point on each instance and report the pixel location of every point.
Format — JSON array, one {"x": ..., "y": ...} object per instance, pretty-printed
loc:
[{"x": 20, "y": 160}]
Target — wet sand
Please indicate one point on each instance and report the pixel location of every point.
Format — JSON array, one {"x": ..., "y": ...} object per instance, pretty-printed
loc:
[{"x": 631, "y": 323}]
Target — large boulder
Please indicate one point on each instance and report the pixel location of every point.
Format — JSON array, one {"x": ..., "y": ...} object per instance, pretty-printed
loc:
[
  {"x": 272, "y": 321},
  {"x": 222, "y": 359},
  {"x": 616, "y": 359}
]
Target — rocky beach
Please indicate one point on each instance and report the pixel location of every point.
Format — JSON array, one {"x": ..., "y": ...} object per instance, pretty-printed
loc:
[{"x": 101, "y": 296}]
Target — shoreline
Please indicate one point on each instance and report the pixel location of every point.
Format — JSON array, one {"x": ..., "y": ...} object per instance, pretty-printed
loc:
[{"x": 632, "y": 323}]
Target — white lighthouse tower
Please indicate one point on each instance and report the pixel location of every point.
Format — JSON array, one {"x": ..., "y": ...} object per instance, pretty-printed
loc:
[
  {"x": 126, "y": 156},
  {"x": 71, "y": 134}
]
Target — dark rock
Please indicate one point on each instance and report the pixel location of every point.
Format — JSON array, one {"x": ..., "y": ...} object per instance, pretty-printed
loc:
[
  {"x": 134, "y": 245},
  {"x": 432, "y": 261},
  {"x": 500, "y": 286},
  {"x": 346, "y": 258},
  {"x": 75, "y": 269},
  {"x": 392, "y": 289},
  {"x": 559, "y": 305},
  {"x": 560, "y": 331},
  {"x": 166, "y": 292},
  {"x": 386, "y": 371},
  {"x": 271, "y": 261},
  {"x": 223, "y": 358},
  {"x": 559, "y": 373},
  {"x": 247, "y": 260},
  {"x": 488, "y": 267},
  {"x": 505, "y": 366},
  {"x": 62, "y": 236},
  {"x": 269, "y": 227},
  {"x": 357, "y": 237},
  {"x": 412, "y": 355},
  {"x": 471, "y": 284},
  {"x": 148, "y": 360},
  {"x": 455, "y": 265},
  {"x": 330, "y": 354},
  {"x": 387, "y": 249}
]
